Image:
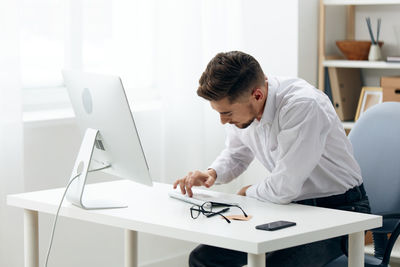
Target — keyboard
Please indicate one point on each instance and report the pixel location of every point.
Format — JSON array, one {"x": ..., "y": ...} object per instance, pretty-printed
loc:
[{"x": 200, "y": 198}]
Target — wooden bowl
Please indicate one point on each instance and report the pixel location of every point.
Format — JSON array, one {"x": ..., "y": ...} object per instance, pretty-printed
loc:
[{"x": 355, "y": 50}]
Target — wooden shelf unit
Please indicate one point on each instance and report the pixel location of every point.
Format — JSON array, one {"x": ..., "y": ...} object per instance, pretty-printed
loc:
[
  {"x": 323, "y": 60},
  {"x": 360, "y": 2},
  {"x": 362, "y": 64},
  {"x": 350, "y": 32}
]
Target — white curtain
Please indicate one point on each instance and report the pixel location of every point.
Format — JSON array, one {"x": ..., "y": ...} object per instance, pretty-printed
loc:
[
  {"x": 11, "y": 139},
  {"x": 192, "y": 134},
  {"x": 189, "y": 34},
  {"x": 164, "y": 50},
  {"x": 160, "y": 49}
]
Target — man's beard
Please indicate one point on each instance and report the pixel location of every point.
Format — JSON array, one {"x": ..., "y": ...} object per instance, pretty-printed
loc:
[
  {"x": 245, "y": 125},
  {"x": 249, "y": 122}
]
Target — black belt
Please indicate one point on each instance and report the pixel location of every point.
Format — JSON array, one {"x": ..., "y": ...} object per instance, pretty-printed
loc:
[{"x": 352, "y": 195}]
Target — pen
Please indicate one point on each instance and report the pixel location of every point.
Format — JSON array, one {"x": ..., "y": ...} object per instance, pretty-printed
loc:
[
  {"x": 368, "y": 19},
  {"x": 216, "y": 213},
  {"x": 378, "y": 30}
]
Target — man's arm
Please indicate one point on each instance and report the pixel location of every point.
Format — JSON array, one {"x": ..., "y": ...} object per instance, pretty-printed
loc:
[
  {"x": 301, "y": 142},
  {"x": 232, "y": 161}
]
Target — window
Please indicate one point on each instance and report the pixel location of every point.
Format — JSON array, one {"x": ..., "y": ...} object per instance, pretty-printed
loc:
[
  {"x": 119, "y": 38},
  {"x": 103, "y": 36},
  {"x": 42, "y": 43}
]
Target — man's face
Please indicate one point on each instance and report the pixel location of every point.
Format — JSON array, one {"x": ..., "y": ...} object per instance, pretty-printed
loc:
[{"x": 241, "y": 113}]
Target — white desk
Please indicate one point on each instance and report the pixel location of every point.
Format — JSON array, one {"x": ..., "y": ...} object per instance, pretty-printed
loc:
[{"x": 152, "y": 211}]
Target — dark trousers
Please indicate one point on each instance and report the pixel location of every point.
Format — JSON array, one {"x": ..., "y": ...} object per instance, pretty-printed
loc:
[{"x": 308, "y": 255}]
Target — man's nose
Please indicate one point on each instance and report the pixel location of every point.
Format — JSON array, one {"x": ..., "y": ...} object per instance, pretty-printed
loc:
[{"x": 224, "y": 119}]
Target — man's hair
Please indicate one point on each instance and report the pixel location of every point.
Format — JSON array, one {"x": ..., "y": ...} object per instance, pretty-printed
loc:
[{"x": 232, "y": 75}]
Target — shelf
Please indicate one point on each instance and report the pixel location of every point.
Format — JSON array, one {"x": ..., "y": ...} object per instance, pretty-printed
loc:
[
  {"x": 348, "y": 125},
  {"x": 360, "y": 64},
  {"x": 360, "y": 2}
]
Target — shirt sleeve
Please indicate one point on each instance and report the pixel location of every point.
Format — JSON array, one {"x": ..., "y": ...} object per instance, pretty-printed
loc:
[
  {"x": 233, "y": 160},
  {"x": 304, "y": 127}
]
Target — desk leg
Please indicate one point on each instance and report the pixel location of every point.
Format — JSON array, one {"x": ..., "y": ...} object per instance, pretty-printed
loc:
[
  {"x": 31, "y": 240},
  {"x": 256, "y": 260},
  {"x": 131, "y": 248},
  {"x": 356, "y": 249}
]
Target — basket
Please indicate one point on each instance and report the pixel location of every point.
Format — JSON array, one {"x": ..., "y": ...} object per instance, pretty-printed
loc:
[{"x": 355, "y": 50}]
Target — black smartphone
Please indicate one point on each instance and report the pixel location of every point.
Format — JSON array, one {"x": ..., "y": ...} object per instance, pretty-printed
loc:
[{"x": 272, "y": 226}]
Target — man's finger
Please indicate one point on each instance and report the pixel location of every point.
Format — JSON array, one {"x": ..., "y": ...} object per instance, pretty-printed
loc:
[
  {"x": 182, "y": 185},
  {"x": 189, "y": 191},
  {"x": 176, "y": 183},
  {"x": 189, "y": 184}
]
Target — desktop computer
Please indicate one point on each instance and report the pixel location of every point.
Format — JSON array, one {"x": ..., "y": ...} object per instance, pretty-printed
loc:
[{"x": 110, "y": 141}]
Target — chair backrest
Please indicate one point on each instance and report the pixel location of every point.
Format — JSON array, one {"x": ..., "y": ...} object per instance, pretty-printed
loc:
[{"x": 376, "y": 142}]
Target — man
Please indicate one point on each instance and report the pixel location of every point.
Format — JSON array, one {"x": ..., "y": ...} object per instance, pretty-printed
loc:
[{"x": 293, "y": 130}]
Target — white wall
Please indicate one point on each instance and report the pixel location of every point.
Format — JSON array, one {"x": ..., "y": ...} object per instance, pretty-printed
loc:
[
  {"x": 308, "y": 41},
  {"x": 271, "y": 35}
]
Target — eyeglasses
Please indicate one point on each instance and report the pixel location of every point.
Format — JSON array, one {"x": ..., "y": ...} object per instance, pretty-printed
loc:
[{"x": 206, "y": 210}]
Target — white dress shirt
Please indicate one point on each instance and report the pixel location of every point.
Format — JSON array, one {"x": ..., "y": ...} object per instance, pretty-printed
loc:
[{"x": 299, "y": 140}]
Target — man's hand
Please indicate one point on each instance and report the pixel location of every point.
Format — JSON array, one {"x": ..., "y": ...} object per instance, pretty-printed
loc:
[
  {"x": 196, "y": 178},
  {"x": 242, "y": 191}
]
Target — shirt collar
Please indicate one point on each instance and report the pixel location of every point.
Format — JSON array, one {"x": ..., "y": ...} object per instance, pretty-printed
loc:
[{"x": 269, "y": 109}]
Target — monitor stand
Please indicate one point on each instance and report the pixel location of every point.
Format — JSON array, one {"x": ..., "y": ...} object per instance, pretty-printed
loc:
[{"x": 81, "y": 168}]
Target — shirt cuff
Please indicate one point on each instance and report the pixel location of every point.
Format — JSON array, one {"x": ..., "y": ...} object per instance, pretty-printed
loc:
[
  {"x": 218, "y": 171},
  {"x": 252, "y": 191}
]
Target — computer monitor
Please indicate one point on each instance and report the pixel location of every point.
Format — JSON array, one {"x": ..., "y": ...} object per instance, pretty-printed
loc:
[{"x": 110, "y": 139}]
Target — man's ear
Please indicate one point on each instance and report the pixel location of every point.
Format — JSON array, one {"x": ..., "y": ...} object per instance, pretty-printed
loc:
[{"x": 258, "y": 94}]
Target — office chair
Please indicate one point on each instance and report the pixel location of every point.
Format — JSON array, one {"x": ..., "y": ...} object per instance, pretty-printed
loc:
[{"x": 376, "y": 142}]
